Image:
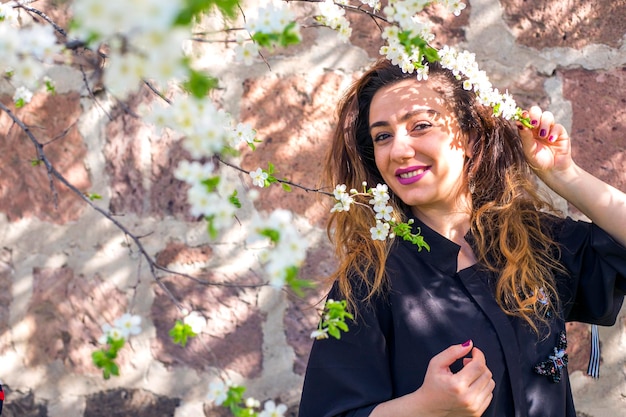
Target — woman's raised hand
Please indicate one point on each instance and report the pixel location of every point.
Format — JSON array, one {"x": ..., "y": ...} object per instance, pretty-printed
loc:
[
  {"x": 547, "y": 145},
  {"x": 547, "y": 149}
]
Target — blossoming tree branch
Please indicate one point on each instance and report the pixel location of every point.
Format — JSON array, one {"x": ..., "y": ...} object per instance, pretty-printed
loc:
[{"x": 145, "y": 44}]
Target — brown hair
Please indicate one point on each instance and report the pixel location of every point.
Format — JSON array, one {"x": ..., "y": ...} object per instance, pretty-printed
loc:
[{"x": 506, "y": 207}]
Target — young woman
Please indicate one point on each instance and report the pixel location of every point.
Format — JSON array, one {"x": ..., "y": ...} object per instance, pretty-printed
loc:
[{"x": 476, "y": 325}]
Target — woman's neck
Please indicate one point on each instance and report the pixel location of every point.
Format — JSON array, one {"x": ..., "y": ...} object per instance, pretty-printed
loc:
[{"x": 453, "y": 225}]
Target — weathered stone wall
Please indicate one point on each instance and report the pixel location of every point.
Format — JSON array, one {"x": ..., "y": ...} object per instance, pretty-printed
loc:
[{"x": 65, "y": 270}]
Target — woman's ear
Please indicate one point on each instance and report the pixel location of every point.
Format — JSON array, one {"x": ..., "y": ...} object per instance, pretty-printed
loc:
[{"x": 471, "y": 138}]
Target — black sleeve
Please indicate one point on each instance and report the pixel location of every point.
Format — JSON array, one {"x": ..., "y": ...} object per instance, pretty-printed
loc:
[
  {"x": 594, "y": 291},
  {"x": 350, "y": 376}
]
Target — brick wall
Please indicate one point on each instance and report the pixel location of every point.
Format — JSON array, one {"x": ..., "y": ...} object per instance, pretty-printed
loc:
[{"x": 65, "y": 270}]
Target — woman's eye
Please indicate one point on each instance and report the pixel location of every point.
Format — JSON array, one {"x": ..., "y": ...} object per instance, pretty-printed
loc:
[
  {"x": 421, "y": 126},
  {"x": 381, "y": 136}
]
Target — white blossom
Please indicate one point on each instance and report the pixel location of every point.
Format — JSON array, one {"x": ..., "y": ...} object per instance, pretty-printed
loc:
[
  {"x": 243, "y": 133},
  {"x": 218, "y": 392},
  {"x": 288, "y": 250},
  {"x": 246, "y": 52},
  {"x": 272, "y": 18},
  {"x": 383, "y": 212},
  {"x": 8, "y": 13},
  {"x": 333, "y": 16},
  {"x": 464, "y": 64},
  {"x": 258, "y": 177},
  {"x": 380, "y": 231},
  {"x": 196, "y": 321},
  {"x": 193, "y": 172},
  {"x": 252, "y": 403},
  {"x": 22, "y": 94},
  {"x": 320, "y": 334},
  {"x": 270, "y": 409},
  {"x": 128, "y": 324}
]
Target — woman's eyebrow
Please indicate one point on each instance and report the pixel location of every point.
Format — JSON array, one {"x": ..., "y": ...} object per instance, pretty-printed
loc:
[{"x": 406, "y": 116}]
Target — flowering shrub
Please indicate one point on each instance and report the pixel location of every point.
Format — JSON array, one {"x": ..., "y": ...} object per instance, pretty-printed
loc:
[
  {"x": 114, "y": 338},
  {"x": 385, "y": 225},
  {"x": 228, "y": 395},
  {"x": 147, "y": 42}
]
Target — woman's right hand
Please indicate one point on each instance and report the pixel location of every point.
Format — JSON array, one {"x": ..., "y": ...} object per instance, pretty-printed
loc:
[{"x": 466, "y": 393}]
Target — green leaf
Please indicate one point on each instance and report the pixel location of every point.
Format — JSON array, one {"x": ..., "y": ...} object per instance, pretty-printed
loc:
[
  {"x": 496, "y": 108},
  {"x": 334, "y": 332},
  {"x": 19, "y": 103},
  {"x": 234, "y": 200},
  {"x": 403, "y": 230},
  {"x": 116, "y": 344},
  {"x": 289, "y": 35},
  {"x": 342, "y": 325},
  {"x": 523, "y": 120},
  {"x": 99, "y": 358},
  {"x": 266, "y": 40},
  {"x": 211, "y": 229},
  {"x": 199, "y": 83},
  {"x": 94, "y": 196},
  {"x": 273, "y": 234},
  {"x": 286, "y": 187},
  {"x": 297, "y": 285},
  {"x": 194, "y": 8},
  {"x": 235, "y": 402},
  {"x": 211, "y": 183},
  {"x": 431, "y": 54},
  {"x": 334, "y": 318},
  {"x": 181, "y": 332},
  {"x": 114, "y": 369},
  {"x": 111, "y": 354}
]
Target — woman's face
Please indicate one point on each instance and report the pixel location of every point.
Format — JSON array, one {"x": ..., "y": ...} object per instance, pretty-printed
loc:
[{"x": 419, "y": 148}]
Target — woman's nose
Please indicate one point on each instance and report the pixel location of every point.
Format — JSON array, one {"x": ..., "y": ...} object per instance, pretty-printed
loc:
[{"x": 402, "y": 147}]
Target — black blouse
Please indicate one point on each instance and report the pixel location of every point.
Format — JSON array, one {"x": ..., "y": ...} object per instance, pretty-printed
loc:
[{"x": 430, "y": 306}]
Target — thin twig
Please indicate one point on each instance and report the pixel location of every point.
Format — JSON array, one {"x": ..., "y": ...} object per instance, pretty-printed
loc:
[
  {"x": 215, "y": 32},
  {"x": 359, "y": 9},
  {"x": 201, "y": 40},
  {"x": 243, "y": 15},
  {"x": 293, "y": 184},
  {"x": 20, "y": 4},
  {"x": 153, "y": 265},
  {"x": 39, "y": 149},
  {"x": 91, "y": 93},
  {"x": 157, "y": 92},
  {"x": 60, "y": 135}
]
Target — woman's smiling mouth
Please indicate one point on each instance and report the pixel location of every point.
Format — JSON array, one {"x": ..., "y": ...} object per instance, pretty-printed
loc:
[{"x": 410, "y": 175}]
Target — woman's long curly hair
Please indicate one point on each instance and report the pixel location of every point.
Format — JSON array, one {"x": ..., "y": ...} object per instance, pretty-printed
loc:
[{"x": 506, "y": 207}]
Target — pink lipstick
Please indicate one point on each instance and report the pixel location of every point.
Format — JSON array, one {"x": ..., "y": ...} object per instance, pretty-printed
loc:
[{"x": 410, "y": 175}]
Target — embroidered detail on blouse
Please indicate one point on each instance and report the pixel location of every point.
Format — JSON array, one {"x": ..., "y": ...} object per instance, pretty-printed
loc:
[
  {"x": 553, "y": 366},
  {"x": 544, "y": 300}
]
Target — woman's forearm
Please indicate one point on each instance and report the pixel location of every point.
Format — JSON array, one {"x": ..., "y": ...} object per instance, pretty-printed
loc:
[{"x": 604, "y": 204}]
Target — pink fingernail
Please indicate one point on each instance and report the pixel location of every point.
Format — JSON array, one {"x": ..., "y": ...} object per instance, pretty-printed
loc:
[
  {"x": 466, "y": 344},
  {"x": 534, "y": 122},
  {"x": 551, "y": 138}
]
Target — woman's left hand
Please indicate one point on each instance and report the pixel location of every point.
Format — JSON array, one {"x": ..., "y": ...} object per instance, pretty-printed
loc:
[{"x": 546, "y": 146}]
